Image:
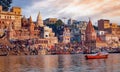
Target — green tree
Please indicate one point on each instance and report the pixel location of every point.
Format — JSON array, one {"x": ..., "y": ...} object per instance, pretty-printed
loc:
[
  {"x": 5, "y": 4},
  {"x": 59, "y": 22}
]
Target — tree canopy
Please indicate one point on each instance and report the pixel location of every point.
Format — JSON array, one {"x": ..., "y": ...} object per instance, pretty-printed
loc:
[
  {"x": 59, "y": 22},
  {"x": 5, "y": 4}
]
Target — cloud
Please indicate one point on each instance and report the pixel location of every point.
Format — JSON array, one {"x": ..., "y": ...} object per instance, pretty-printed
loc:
[{"x": 77, "y": 9}]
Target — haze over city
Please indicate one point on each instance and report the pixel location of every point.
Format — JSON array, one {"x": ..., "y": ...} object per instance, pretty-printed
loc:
[{"x": 76, "y": 9}]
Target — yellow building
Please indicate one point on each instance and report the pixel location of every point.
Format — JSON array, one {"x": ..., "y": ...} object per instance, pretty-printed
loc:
[
  {"x": 18, "y": 28},
  {"x": 114, "y": 25},
  {"x": 50, "y": 21},
  {"x": 11, "y": 17}
]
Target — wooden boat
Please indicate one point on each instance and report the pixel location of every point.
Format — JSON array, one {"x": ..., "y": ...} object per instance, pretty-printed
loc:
[
  {"x": 97, "y": 56},
  {"x": 3, "y": 54}
]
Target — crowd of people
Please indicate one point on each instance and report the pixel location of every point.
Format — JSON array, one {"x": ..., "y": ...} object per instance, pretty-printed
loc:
[{"x": 20, "y": 48}]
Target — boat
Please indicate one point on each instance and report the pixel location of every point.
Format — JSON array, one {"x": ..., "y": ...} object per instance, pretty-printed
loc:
[
  {"x": 3, "y": 54},
  {"x": 97, "y": 56}
]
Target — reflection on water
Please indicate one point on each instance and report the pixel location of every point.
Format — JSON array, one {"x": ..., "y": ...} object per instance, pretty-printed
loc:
[{"x": 59, "y": 63}]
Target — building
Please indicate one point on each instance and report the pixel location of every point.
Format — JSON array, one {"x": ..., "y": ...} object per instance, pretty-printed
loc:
[
  {"x": 12, "y": 17},
  {"x": 50, "y": 21},
  {"x": 90, "y": 35},
  {"x": 14, "y": 27},
  {"x": 109, "y": 32},
  {"x": 92, "y": 40},
  {"x": 77, "y": 30},
  {"x": 66, "y": 36},
  {"x": 39, "y": 22},
  {"x": 23, "y": 33},
  {"x": 75, "y": 35},
  {"x": 103, "y": 24}
]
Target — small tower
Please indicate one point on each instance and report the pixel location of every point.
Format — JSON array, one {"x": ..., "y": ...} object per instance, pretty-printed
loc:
[
  {"x": 90, "y": 35},
  {"x": 39, "y": 21},
  {"x": 90, "y": 32},
  {"x": 31, "y": 28},
  {"x": 24, "y": 22}
]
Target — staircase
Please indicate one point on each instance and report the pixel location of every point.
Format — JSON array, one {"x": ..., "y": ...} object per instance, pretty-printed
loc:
[{"x": 5, "y": 42}]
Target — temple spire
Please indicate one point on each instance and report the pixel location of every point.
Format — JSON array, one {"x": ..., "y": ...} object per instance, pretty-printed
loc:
[
  {"x": 39, "y": 20},
  {"x": 90, "y": 27},
  {"x": 30, "y": 19}
]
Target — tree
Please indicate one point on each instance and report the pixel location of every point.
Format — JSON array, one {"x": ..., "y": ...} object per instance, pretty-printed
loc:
[
  {"x": 5, "y": 4},
  {"x": 59, "y": 22}
]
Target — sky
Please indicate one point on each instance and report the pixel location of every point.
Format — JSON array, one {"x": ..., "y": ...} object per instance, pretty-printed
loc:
[{"x": 76, "y": 9}]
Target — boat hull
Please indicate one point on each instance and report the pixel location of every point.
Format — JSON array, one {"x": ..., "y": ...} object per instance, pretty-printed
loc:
[
  {"x": 96, "y": 56},
  {"x": 3, "y": 54}
]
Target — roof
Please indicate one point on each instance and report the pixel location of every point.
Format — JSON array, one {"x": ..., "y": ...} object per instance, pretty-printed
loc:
[{"x": 89, "y": 27}]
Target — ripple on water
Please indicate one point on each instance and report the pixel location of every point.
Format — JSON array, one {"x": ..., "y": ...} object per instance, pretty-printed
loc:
[{"x": 59, "y": 63}]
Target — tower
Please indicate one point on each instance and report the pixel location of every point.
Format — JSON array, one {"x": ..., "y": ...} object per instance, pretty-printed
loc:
[
  {"x": 90, "y": 35},
  {"x": 90, "y": 32},
  {"x": 31, "y": 27},
  {"x": 39, "y": 20},
  {"x": 24, "y": 22}
]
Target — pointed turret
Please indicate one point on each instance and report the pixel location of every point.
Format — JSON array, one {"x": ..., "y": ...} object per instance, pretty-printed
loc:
[
  {"x": 24, "y": 22},
  {"x": 89, "y": 27},
  {"x": 90, "y": 32},
  {"x": 39, "y": 20},
  {"x": 30, "y": 20},
  {"x": 32, "y": 26}
]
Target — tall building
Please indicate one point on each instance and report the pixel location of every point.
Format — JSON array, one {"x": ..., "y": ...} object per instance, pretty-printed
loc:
[
  {"x": 12, "y": 17},
  {"x": 103, "y": 24},
  {"x": 39, "y": 22},
  {"x": 90, "y": 32},
  {"x": 31, "y": 27},
  {"x": 66, "y": 35}
]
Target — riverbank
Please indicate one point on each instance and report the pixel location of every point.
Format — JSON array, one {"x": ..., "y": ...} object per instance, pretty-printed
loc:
[{"x": 75, "y": 48}]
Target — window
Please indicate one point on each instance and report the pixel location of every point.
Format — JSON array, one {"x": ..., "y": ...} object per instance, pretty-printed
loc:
[{"x": 46, "y": 35}]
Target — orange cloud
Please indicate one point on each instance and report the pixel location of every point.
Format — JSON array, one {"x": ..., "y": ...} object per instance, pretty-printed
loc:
[{"x": 75, "y": 8}]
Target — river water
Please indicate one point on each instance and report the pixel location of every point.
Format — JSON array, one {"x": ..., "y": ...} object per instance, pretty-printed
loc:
[{"x": 59, "y": 63}]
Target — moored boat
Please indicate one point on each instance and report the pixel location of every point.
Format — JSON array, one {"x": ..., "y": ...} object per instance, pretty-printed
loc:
[
  {"x": 3, "y": 54},
  {"x": 97, "y": 56}
]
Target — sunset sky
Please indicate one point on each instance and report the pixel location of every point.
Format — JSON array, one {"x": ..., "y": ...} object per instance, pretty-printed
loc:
[{"x": 75, "y": 9}]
